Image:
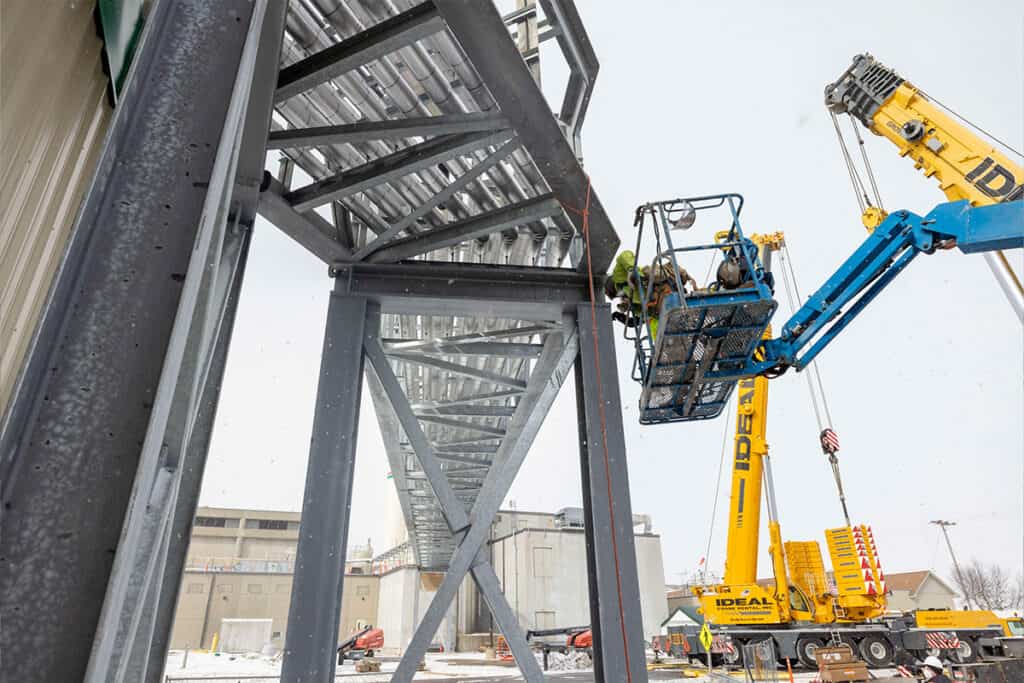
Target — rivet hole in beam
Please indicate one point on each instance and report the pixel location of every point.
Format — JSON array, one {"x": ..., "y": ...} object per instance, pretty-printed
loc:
[
  {"x": 364, "y": 47},
  {"x": 391, "y": 167},
  {"x": 389, "y": 129}
]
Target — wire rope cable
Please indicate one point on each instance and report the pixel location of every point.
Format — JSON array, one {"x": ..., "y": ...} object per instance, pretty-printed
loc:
[{"x": 971, "y": 124}]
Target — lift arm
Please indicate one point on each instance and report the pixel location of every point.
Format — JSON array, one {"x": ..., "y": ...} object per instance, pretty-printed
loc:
[{"x": 877, "y": 262}]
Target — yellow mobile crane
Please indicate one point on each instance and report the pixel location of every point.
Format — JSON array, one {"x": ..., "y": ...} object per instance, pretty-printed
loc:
[
  {"x": 800, "y": 598},
  {"x": 966, "y": 165}
]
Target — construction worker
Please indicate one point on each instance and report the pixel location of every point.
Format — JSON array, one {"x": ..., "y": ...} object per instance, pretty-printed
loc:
[
  {"x": 932, "y": 670},
  {"x": 622, "y": 284}
]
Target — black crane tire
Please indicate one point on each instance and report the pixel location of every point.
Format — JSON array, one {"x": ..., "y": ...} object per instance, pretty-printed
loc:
[
  {"x": 876, "y": 651},
  {"x": 805, "y": 648},
  {"x": 967, "y": 652}
]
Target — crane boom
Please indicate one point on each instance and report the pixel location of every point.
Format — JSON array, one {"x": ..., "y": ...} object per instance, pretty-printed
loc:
[{"x": 966, "y": 166}]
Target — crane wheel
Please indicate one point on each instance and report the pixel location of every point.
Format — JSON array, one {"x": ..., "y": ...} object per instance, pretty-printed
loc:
[
  {"x": 805, "y": 648},
  {"x": 734, "y": 655},
  {"x": 967, "y": 652},
  {"x": 876, "y": 651}
]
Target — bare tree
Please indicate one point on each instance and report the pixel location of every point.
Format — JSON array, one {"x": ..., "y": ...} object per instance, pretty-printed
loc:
[{"x": 990, "y": 586}]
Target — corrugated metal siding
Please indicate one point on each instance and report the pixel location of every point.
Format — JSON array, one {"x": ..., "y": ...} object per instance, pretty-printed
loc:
[{"x": 53, "y": 117}]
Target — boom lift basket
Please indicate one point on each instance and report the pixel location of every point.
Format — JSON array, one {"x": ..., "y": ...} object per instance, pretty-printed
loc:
[{"x": 690, "y": 356}]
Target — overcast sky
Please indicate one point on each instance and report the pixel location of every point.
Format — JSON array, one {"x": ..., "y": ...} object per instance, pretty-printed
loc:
[{"x": 694, "y": 98}]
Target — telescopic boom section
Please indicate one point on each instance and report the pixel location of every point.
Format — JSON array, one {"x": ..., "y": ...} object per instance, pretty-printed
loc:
[
  {"x": 747, "y": 475},
  {"x": 965, "y": 165}
]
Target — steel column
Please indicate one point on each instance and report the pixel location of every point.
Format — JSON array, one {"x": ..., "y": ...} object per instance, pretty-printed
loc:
[
  {"x": 611, "y": 555},
  {"x": 313, "y": 617},
  {"x": 73, "y": 436},
  {"x": 192, "y": 467}
]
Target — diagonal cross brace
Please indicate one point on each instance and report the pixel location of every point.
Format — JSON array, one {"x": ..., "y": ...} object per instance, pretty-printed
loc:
[
  {"x": 452, "y": 508},
  {"x": 545, "y": 381}
]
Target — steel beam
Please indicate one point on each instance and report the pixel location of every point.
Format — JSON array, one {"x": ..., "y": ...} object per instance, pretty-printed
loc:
[
  {"x": 309, "y": 229},
  {"x": 366, "y": 46},
  {"x": 472, "y": 411},
  {"x": 369, "y": 131},
  {"x": 121, "y": 648},
  {"x": 313, "y": 616},
  {"x": 148, "y": 658},
  {"x": 390, "y": 167},
  {"x": 192, "y": 467},
  {"x": 582, "y": 61},
  {"x": 521, "y": 101},
  {"x": 458, "y": 340},
  {"x": 560, "y": 350},
  {"x": 475, "y": 348},
  {"x": 72, "y": 439},
  {"x": 462, "y": 424},
  {"x": 453, "y": 188},
  {"x": 519, "y": 293},
  {"x": 481, "y": 225},
  {"x": 611, "y": 555},
  {"x": 484, "y": 375}
]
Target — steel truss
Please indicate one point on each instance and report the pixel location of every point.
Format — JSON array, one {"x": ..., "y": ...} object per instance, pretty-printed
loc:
[{"x": 444, "y": 200}]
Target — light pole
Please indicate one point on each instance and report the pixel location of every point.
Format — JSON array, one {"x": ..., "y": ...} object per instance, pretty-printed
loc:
[{"x": 942, "y": 524}]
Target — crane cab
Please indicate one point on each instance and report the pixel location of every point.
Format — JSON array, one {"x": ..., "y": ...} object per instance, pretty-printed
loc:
[{"x": 694, "y": 339}]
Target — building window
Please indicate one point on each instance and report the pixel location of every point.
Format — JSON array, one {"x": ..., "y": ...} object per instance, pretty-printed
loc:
[
  {"x": 196, "y": 588},
  {"x": 211, "y": 521},
  {"x": 362, "y": 590},
  {"x": 283, "y": 588},
  {"x": 267, "y": 524},
  {"x": 225, "y": 589},
  {"x": 255, "y": 588}
]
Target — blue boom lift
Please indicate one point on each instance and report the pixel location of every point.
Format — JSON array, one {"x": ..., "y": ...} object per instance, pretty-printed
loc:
[{"x": 703, "y": 342}]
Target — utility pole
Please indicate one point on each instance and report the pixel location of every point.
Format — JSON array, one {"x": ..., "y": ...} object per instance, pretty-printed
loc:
[{"x": 942, "y": 523}]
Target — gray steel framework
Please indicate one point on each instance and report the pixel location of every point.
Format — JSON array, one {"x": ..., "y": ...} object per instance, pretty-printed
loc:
[{"x": 445, "y": 202}]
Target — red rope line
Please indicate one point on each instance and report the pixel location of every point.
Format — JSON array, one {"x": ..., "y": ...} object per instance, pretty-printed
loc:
[{"x": 604, "y": 430}]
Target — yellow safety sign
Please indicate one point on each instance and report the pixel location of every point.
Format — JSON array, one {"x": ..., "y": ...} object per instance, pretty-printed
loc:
[{"x": 705, "y": 637}]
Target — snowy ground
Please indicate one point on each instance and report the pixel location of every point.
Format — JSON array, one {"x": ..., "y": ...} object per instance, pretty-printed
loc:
[
  {"x": 254, "y": 668},
  {"x": 203, "y": 667}
]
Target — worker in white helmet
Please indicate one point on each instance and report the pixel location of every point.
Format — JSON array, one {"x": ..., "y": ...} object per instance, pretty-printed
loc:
[{"x": 932, "y": 670}]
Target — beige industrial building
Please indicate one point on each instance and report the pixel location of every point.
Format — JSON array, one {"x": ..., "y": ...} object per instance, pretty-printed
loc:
[
  {"x": 240, "y": 563},
  {"x": 541, "y": 558},
  {"x": 239, "y": 566}
]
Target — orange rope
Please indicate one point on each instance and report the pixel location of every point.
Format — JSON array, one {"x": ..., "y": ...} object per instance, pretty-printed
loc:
[{"x": 604, "y": 430}]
